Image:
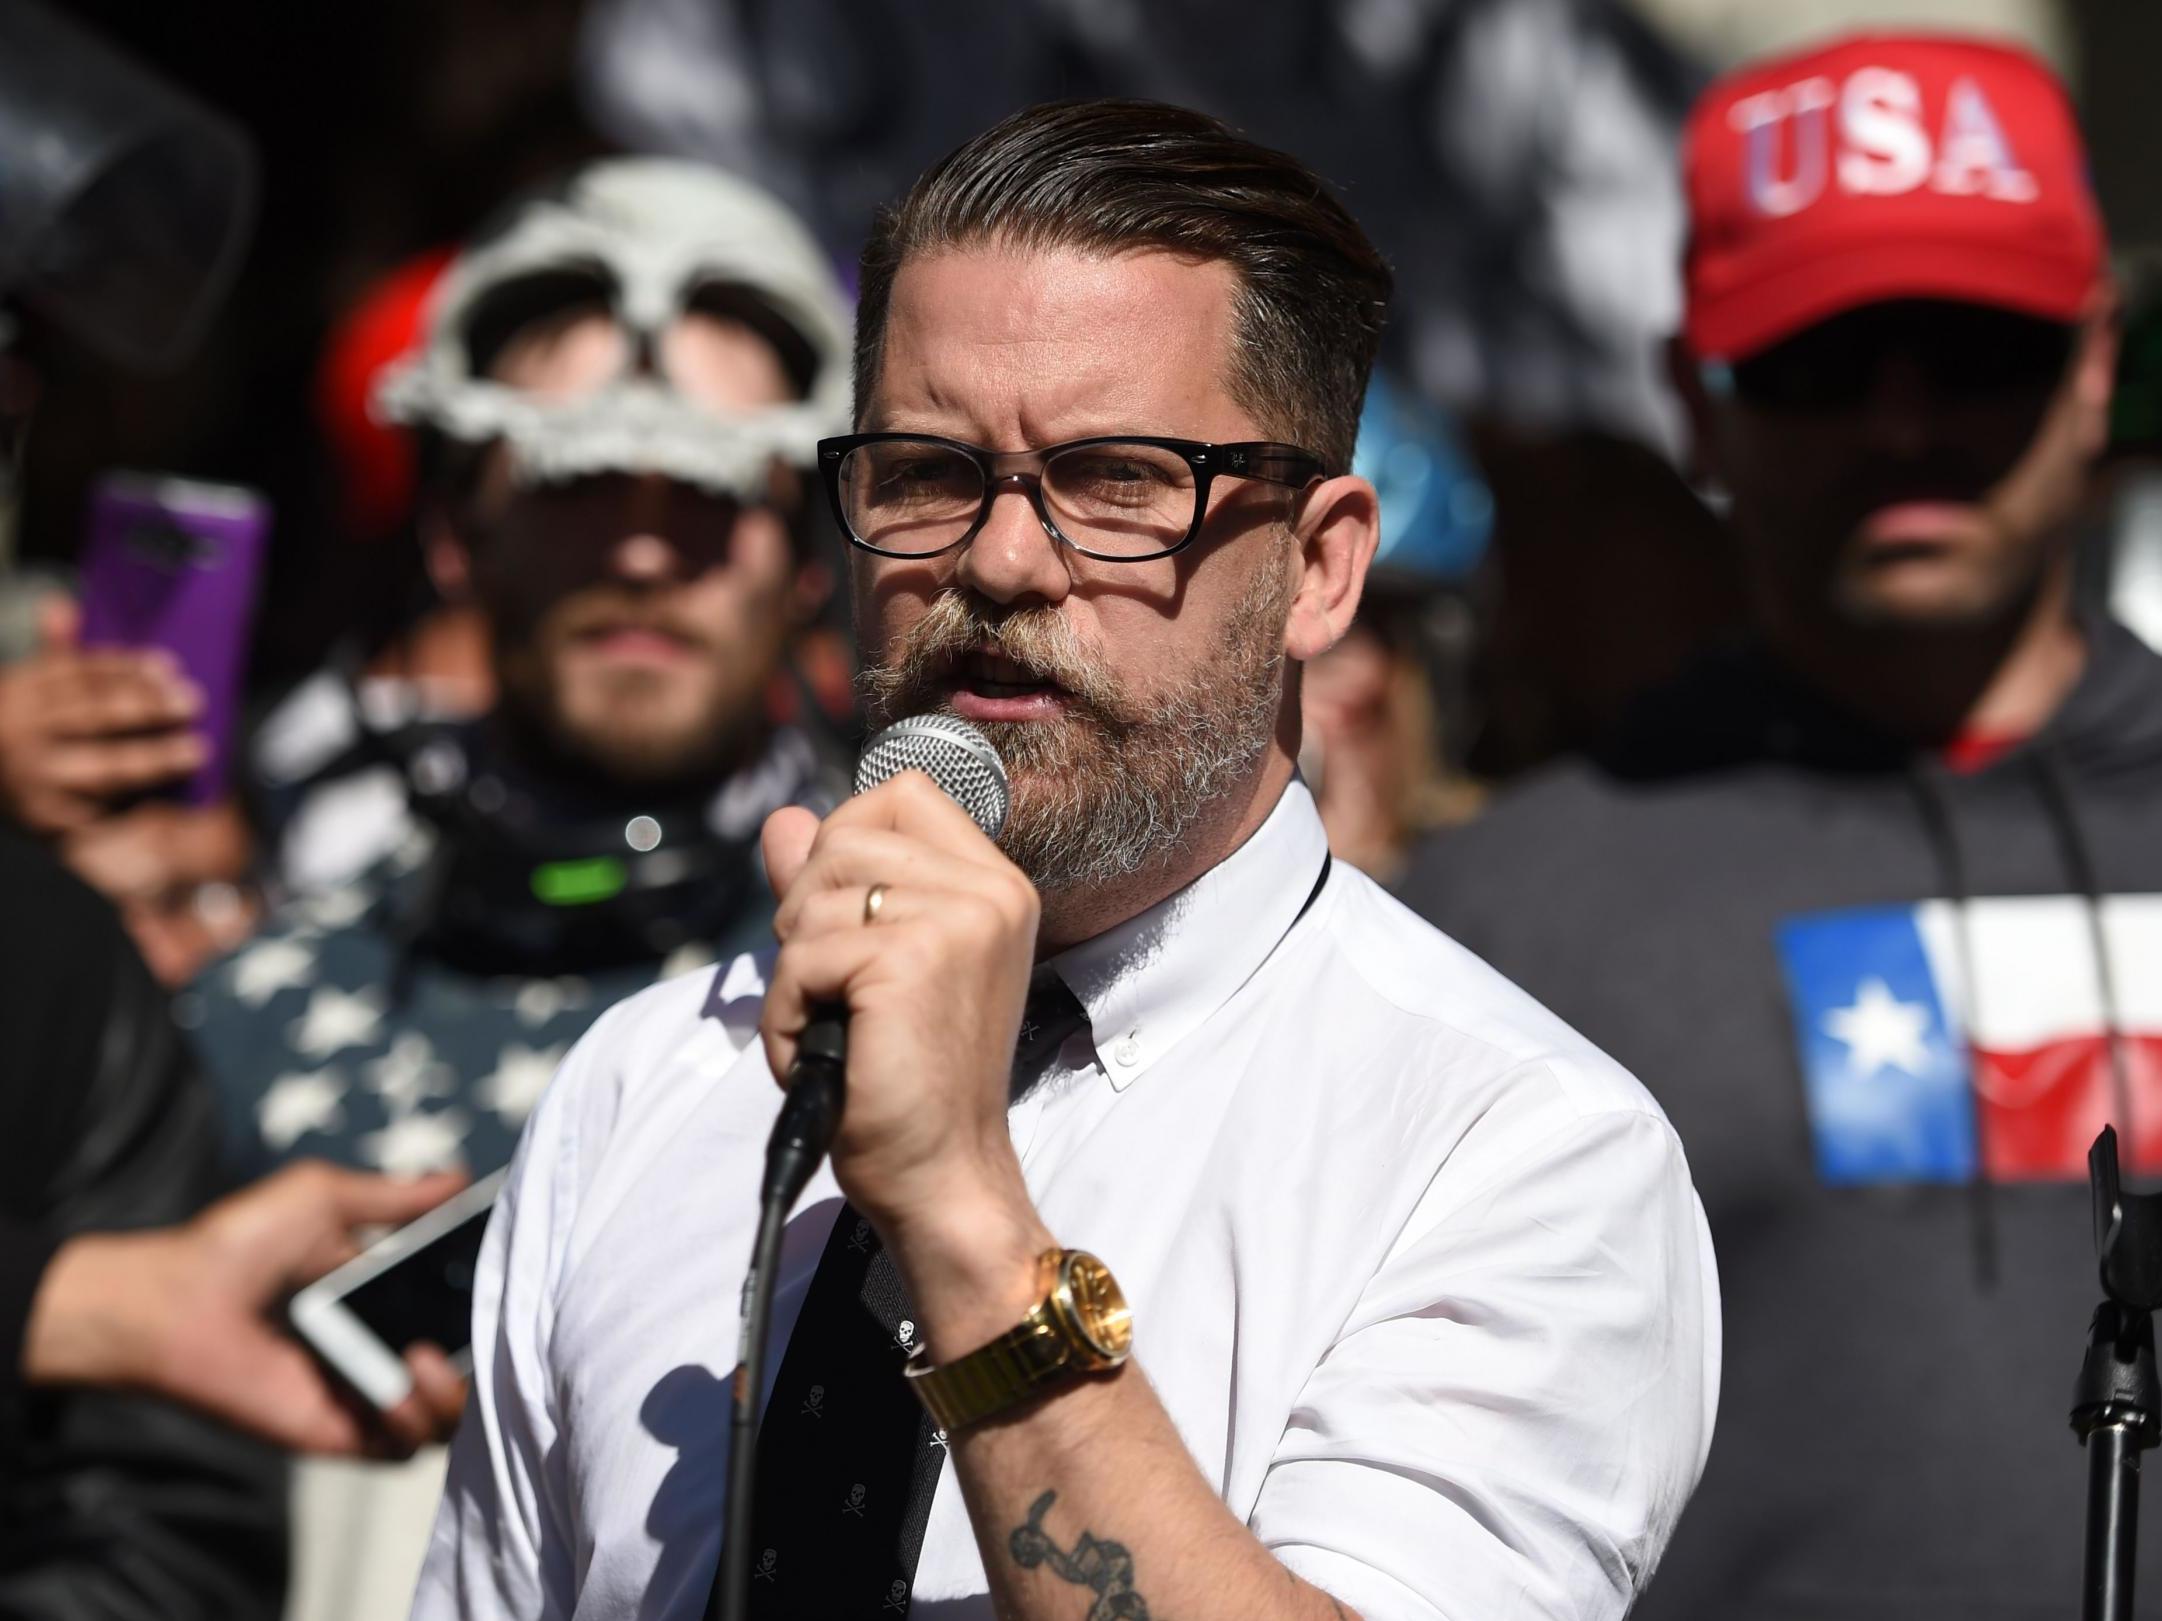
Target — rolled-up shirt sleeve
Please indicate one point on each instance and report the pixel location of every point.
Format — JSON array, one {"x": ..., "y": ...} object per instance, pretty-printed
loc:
[{"x": 1515, "y": 1414}]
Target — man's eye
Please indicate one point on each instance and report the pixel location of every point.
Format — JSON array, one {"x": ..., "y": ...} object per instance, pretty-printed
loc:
[
  {"x": 1113, "y": 477},
  {"x": 921, "y": 476}
]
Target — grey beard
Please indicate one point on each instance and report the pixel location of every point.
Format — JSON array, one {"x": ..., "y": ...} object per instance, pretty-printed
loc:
[
  {"x": 1099, "y": 797},
  {"x": 1079, "y": 824}
]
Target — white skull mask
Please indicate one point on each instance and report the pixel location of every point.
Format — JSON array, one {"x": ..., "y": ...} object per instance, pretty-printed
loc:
[{"x": 648, "y": 237}]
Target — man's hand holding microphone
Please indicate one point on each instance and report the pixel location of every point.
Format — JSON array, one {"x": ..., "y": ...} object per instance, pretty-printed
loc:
[{"x": 899, "y": 907}]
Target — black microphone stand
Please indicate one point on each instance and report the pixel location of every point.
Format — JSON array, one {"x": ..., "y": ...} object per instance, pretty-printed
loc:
[
  {"x": 2117, "y": 1403},
  {"x": 810, "y": 1115}
]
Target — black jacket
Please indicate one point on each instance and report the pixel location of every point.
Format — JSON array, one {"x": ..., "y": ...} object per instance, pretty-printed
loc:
[
  {"x": 1770, "y": 915},
  {"x": 112, "y": 1508}
]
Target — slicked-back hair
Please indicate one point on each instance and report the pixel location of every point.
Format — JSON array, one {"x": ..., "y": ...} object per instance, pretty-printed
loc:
[{"x": 1110, "y": 177}]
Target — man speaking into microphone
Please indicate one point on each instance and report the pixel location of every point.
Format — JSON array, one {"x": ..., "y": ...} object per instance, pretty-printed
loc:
[{"x": 1205, "y": 1237}]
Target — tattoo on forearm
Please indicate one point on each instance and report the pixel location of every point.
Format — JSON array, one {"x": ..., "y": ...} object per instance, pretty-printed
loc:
[{"x": 1105, "y": 1568}]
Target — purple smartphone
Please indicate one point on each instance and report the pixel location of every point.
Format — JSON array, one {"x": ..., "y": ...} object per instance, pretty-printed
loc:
[{"x": 172, "y": 563}]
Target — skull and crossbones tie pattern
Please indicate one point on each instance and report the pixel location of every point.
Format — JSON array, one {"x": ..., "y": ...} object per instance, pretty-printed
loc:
[{"x": 847, "y": 1459}]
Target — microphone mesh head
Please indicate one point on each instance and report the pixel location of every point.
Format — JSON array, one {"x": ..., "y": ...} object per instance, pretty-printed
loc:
[{"x": 952, "y": 754}]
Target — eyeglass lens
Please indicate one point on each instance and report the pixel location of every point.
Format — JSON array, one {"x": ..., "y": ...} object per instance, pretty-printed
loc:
[{"x": 914, "y": 497}]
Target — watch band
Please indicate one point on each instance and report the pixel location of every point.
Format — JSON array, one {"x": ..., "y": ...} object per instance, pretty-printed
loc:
[
  {"x": 992, "y": 1377},
  {"x": 1051, "y": 1345}
]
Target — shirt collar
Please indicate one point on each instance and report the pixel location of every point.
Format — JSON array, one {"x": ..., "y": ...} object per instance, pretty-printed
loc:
[{"x": 1151, "y": 981}]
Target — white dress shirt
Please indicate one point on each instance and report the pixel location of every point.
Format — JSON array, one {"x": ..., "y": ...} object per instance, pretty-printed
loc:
[{"x": 1418, "y": 1273}]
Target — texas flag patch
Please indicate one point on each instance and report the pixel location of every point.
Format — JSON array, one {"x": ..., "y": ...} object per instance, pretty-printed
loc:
[{"x": 1912, "y": 1079}]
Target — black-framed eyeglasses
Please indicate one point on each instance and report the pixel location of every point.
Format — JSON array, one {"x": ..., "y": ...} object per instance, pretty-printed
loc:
[{"x": 1123, "y": 499}]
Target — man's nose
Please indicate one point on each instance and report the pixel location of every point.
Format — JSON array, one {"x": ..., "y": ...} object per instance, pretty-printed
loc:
[
  {"x": 643, "y": 552},
  {"x": 644, "y": 557},
  {"x": 1899, "y": 414},
  {"x": 1013, "y": 557}
]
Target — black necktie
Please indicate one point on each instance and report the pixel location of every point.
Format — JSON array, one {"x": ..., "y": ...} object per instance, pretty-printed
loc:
[{"x": 847, "y": 1458}]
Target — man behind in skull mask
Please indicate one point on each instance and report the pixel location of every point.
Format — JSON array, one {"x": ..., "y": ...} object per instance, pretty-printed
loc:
[{"x": 620, "y": 385}]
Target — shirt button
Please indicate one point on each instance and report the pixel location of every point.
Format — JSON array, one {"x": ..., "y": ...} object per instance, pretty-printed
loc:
[{"x": 1128, "y": 1052}]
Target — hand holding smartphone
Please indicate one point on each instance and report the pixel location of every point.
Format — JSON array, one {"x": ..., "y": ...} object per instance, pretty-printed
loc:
[
  {"x": 172, "y": 565},
  {"x": 414, "y": 1285},
  {"x": 187, "y": 1312}
]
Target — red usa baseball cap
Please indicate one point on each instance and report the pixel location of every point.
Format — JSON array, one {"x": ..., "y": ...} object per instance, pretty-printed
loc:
[{"x": 1883, "y": 166}]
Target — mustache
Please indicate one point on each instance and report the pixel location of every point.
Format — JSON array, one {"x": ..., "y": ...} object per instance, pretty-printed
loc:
[
  {"x": 585, "y": 614},
  {"x": 915, "y": 669}
]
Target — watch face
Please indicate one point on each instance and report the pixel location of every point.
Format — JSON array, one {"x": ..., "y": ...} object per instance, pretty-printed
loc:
[{"x": 1099, "y": 1309}]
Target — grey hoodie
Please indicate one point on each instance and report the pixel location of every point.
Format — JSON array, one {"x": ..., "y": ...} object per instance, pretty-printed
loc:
[{"x": 1772, "y": 916}]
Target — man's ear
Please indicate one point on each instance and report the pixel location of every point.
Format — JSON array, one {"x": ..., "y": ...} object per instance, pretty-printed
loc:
[
  {"x": 1337, "y": 529},
  {"x": 448, "y": 559},
  {"x": 2094, "y": 366}
]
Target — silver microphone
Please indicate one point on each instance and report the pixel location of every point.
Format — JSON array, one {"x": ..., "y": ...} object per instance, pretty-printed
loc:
[{"x": 953, "y": 754}]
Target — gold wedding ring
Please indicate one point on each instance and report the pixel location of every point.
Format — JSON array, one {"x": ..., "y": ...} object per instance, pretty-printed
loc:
[{"x": 873, "y": 899}]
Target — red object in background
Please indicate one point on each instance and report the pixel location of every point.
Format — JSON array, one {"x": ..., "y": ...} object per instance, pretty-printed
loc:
[
  {"x": 375, "y": 459},
  {"x": 1977, "y": 751},
  {"x": 1883, "y": 167}
]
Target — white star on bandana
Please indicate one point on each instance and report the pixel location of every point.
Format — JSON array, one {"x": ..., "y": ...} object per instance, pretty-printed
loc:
[
  {"x": 521, "y": 1074},
  {"x": 271, "y": 966},
  {"x": 335, "y": 1020},
  {"x": 410, "y": 1072},
  {"x": 416, "y": 1143},
  {"x": 294, "y": 1105}
]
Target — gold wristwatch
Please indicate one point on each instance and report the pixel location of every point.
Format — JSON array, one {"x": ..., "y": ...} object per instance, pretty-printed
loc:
[{"x": 1080, "y": 1325}]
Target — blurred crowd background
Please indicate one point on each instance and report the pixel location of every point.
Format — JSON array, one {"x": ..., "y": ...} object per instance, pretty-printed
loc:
[
  {"x": 1515, "y": 158},
  {"x": 1550, "y": 554}
]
